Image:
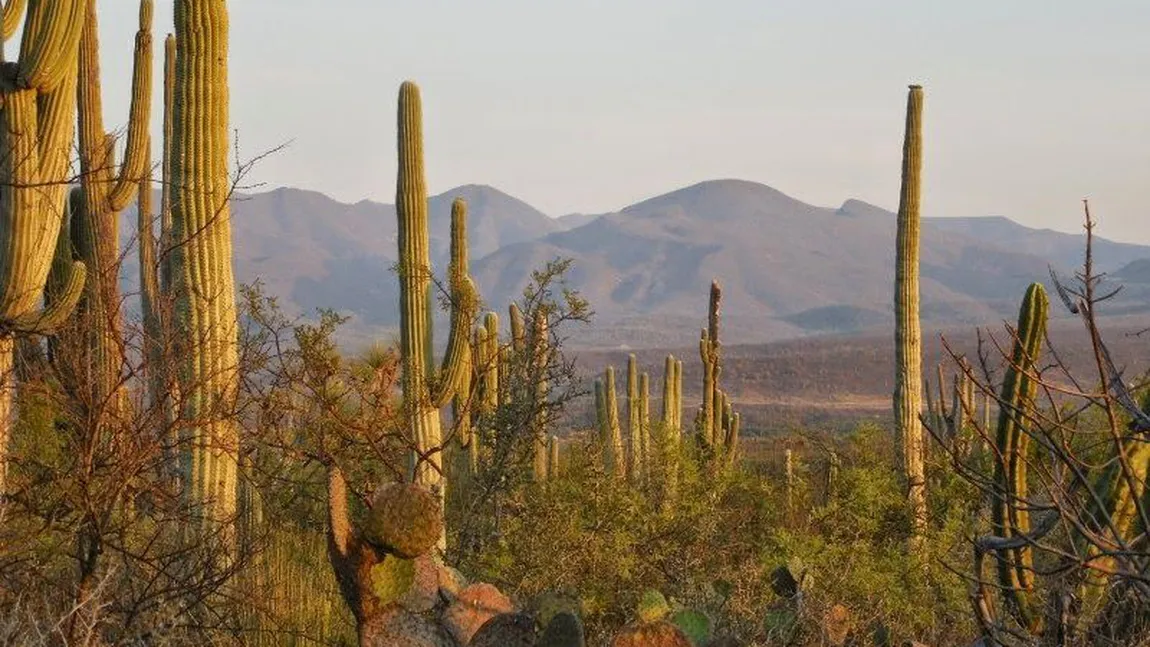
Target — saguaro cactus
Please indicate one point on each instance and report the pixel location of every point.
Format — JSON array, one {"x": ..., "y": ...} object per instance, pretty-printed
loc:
[
  {"x": 709, "y": 351},
  {"x": 203, "y": 283},
  {"x": 38, "y": 95},
  {"x": 103, "y": 194},
  {"x": 1011, "y": 517},
  {"x": 425, "y": 390},
  {"x": 908, "y": 334},
  {"x": 610, "y": 431},
  {"x": 634, "y": 432},
  {"x": 540, "y": 351}
]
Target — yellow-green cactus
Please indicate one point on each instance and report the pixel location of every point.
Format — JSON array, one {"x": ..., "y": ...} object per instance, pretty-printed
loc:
[
  {"x": 1011, "y": 517},
  {"x": 93, "y": 345},
  {"x": 425, "y": 389},
  {"x": 908, "y": 333},
  {"x": 709, "y": 353},
  {"x": 38, "y": 93},
  {"x": 204, "y": 322},
  {"x": 634, "y": 433}
]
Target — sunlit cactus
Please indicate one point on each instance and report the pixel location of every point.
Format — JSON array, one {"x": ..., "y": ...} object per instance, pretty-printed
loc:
[
  {"x": 540, "y": 352},
  {"x": 203, "y": 284},
  {"x": 39, "y": 115},
  {"x": 610, "y": 431},
  {"x": 1010, "y": 514},
  {"x": 425, "y": 389},
  {"x": 908, "y": 333},
  {"x": 92, "y": 347},
  {"x": 634, "y": 432},
  {"x": 709, "y": 353}
]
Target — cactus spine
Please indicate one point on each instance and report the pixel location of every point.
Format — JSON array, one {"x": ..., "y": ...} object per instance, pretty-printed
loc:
[
  {"x": 425, "y": 390},
  {"x": 203, "y": 284},
  {"x": 908, "y": 335},
  {"x": 39, "y": 104},
  {"x": 1010, "y": 516}
]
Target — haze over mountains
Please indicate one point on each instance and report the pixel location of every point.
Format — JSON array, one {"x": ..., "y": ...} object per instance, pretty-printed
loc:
[{"x": 788, "y": 269}]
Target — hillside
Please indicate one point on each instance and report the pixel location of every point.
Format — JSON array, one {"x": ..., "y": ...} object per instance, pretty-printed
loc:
[{"x": 788, "y": 269}]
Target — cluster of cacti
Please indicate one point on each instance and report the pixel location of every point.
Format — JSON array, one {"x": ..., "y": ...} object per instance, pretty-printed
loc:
[
  {"x": 716, "y": 422},
  {"x": 908, "y": 333},
  {"x": 953, "y": 424},
  {"x": 90, "y": 351},
  {"x": 39, "y": 115}
]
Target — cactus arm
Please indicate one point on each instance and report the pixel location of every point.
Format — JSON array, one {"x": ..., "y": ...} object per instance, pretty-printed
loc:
[
  {"x": 135, "y": 162},
  {"x": 48, "y": 47},
  {"x": 463, "y": 306},
  {"x": 908, "y": 335},
  {"x": 553, "y": 457},
  {"x": 668, "y": 392},
  {"x": 490, "y": 367},
  {"x": 165, "y": 283},
  {"x": 45, "y": 321},
  {"x": 518, "y": 329}
]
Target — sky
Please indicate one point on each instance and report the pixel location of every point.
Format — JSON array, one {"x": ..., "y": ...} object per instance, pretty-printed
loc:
[{"x": 588, "y": 106}]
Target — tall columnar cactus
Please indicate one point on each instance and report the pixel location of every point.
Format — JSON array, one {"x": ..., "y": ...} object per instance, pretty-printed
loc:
[
  {"x": 203, "y": 284},
  {"x": 38, "y": 95},
  {"x": 553, "y": 457},
  {"x": 908, "y": 334},
  {"x": 1010, "y": 515},
  {"x": 644, "y": 424},
  {"x": 95, "y": 341},
  {"x": 789, "y": 478},
  {"x": 155, "y": 273},
  {"x": 671, "y": 404},
  {"x": 610, "y": 431},
  {"x": 634, "y": 433},
  {"x": 540, "y": 352},
  {"x": 426, "y": 390},
  {"x": 709, "y": 352}
]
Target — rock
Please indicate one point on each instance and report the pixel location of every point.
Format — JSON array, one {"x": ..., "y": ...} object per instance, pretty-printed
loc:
[
  {"x": 472, "y": 608},
  {"x": 724, "y": 641},
  {"x": 506, "y": 630},
  {"x": 651, "y": 634},
  {"x": 564, "y": 630},
  {"x": 398, "y": 627},
  {"x": 404, "y": 519},
  {"x": 423, "y": 594},
  {"x": 451, "y": 582}
]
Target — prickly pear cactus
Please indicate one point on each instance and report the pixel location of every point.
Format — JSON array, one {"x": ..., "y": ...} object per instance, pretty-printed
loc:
[{"x": 404, "y": 520}]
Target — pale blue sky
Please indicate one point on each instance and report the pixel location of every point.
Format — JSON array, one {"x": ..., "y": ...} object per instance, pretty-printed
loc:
[{"x": 588, "y": 106}]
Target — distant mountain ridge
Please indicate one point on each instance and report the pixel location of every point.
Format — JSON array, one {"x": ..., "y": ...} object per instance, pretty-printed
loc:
[{"x": 788, "y": 269}]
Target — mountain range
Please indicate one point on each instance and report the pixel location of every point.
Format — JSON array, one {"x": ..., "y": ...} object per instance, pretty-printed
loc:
[{"x": 788, "y": 269}]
